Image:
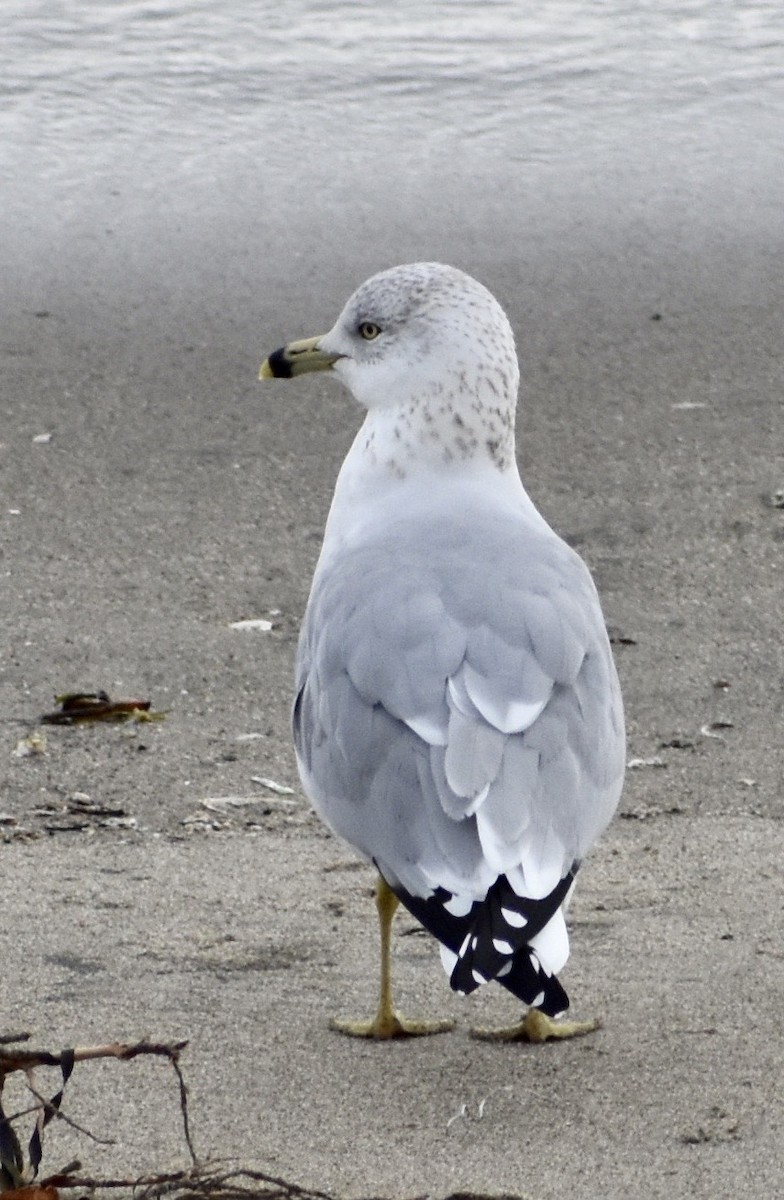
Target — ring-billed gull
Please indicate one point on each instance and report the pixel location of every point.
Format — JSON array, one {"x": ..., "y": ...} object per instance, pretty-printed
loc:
[{"x": 458, "y": 717}]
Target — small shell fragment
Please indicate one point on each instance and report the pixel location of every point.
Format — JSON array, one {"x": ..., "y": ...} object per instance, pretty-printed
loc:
[
  {"x": 280, "y": 788},
  {"x": 261, "y": 624},
  {"x": 221, "y": 803},
  {"x": 117, "y": 822},
  {"x": 26, "y": 747}
]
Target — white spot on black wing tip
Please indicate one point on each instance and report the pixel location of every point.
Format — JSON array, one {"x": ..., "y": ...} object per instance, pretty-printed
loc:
[
  {"x": 537, "y": 1000},
  {"x": 504, "y": 970},
  {"x": 503, "y": 947},
  {"x": 515, "y": 919}
]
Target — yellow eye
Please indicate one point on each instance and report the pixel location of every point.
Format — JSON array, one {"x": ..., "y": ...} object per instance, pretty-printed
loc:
[{"x": 368, "y": 330}]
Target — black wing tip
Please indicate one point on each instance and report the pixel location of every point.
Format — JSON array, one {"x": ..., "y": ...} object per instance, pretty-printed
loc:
[{"x": 471, "y": 938}]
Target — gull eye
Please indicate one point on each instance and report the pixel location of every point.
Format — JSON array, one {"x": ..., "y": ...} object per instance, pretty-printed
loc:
[{"x": 368, "y": 330}]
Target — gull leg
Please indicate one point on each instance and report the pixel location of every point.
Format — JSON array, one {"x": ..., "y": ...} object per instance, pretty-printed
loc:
[
  {"x": 536, "y": 1026},
  {"x": 388, "y": 1023}
]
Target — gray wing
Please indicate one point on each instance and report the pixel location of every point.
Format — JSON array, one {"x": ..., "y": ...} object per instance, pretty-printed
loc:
[{"x": 458, "y": 715}]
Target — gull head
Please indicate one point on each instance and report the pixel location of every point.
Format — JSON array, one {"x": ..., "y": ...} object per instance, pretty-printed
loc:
[{"x": 427, "y": 341}]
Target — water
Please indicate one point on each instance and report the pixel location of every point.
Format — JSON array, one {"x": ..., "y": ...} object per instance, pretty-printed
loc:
[
  {"x": 451, "y": 128},
  {"x": 91, "y": 89}
]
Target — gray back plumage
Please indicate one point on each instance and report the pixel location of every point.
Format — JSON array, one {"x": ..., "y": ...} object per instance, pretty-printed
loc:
[{"x": 458, "y": 713}]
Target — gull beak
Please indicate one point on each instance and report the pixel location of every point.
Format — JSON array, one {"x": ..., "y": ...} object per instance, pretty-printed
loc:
[{"x": 297, "y": 359}]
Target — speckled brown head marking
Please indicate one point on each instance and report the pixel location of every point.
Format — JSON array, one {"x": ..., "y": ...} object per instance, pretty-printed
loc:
[{"x": 441, "y": 357}]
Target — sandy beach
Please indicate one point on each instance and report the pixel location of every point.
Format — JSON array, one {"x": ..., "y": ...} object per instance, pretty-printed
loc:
[{"x": 154, "y": 493}]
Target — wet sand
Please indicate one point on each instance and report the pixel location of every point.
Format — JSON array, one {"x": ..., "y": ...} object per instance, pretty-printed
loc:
[{"x": 177, "y": 495}]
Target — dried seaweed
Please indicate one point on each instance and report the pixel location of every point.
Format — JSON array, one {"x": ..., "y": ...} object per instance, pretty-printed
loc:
[
  {"x": 78, "y": 708},
  {"x": 203, "y": 1180},
  {"x": 17, "y": 1170}
]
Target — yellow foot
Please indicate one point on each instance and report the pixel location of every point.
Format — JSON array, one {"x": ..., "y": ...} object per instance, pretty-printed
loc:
[
  {"x": 537, "y": 1027},
  {"x": 390, "y": 1025}
]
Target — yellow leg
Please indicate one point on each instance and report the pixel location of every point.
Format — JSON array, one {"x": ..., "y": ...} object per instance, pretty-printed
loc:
[
  {"x": 388, "y": 1023},
  {"x": 537, "y": 1027}
]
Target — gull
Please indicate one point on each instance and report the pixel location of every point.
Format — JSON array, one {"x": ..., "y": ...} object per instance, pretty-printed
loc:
[{"x": 458, "y": 717}]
